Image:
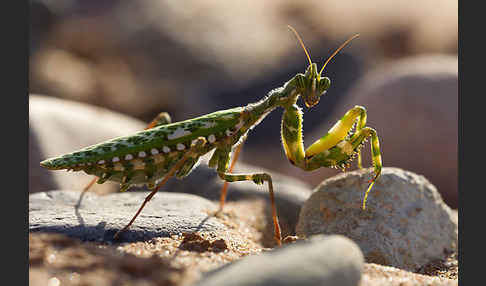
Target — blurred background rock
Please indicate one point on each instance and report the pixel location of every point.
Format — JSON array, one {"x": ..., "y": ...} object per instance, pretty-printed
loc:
[{"x": 194, "y": 57}]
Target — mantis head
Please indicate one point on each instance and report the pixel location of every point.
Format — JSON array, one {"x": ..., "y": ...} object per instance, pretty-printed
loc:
[{"x": 313, "y": 85}]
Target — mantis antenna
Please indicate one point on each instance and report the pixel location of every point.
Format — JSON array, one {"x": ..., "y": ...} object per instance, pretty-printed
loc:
[
  {"x": 301, "y": 43},
  {"x": 338, "y": 49}
]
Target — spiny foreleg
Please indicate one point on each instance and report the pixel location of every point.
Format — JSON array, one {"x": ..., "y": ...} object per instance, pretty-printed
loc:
[
  {"x": 340, "y": 130},
  {"x": 336, "y": 148},
  {"x": 341, "y": 154}
]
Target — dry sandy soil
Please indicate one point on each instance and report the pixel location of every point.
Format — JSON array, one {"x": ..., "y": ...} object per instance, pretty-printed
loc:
[{"x": 55, "y": 259}]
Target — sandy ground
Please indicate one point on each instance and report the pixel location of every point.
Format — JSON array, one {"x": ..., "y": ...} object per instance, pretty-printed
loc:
[{"x": 180, "y": 259}]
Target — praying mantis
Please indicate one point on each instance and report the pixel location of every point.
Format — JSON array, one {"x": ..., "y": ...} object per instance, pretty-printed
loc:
[{"x": 165, "y": 149}]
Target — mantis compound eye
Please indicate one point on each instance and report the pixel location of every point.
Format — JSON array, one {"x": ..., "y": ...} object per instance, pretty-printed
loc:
[{"x": 324, "y": 84}]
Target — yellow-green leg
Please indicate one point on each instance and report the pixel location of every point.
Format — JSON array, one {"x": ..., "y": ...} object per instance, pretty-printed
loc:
[
  {"x": 356, "y": 115},
  {"x": 336, "y": 148},
  {"x": 344, "y": 152}
]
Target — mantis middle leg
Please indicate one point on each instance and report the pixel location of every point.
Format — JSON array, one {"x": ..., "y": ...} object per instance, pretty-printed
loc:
[{"x": 220, "y": 160}]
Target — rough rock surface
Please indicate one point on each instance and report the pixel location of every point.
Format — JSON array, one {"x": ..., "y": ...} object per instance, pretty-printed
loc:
[
  {"x": 321, "y": 260},
  {"x": 406, "y": 224},
  {"x": 99, "y": 217}
]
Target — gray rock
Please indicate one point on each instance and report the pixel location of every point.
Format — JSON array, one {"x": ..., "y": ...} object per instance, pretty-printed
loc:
[
  {"x": 59, "y": 126},
  {"x": 321, "y": 260},
  {"x": 99, "y": 217},
  {"x": 406, "y": 224}
]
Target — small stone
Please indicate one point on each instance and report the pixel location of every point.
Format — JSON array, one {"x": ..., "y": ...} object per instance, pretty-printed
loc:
[
  {"x": 320, "y": 260},
  {"x": 219, "y": 245},
  {"x": 406, "y": 224}
]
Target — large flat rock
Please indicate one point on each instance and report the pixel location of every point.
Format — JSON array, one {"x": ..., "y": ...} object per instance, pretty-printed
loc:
[{"x": 99, "y": 217}]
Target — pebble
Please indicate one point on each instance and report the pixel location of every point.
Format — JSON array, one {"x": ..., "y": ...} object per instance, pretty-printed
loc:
[
  {"x": 406, "y": 224},
  {"x": 320, "y": 260}
]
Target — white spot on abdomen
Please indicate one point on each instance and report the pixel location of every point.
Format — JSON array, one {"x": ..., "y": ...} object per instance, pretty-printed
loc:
[
  {"x": 227, "y": 117},
  {"x": 208, "y": 124},
  {"x": 179, "y": 132}
]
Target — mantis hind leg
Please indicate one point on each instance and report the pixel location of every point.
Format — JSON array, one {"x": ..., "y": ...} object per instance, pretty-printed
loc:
[{"x": 258, "y": 178}]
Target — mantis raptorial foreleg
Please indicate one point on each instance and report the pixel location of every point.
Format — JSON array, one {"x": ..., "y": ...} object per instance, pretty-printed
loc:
[
  {"x": 336, "y": 148},
  {"x": 339, "y": 132}
]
